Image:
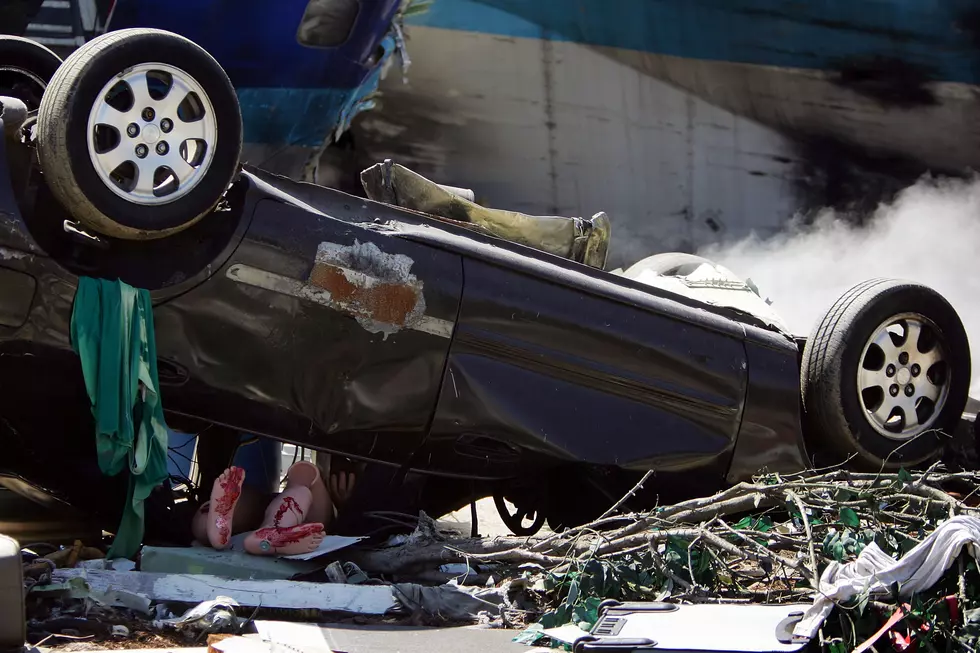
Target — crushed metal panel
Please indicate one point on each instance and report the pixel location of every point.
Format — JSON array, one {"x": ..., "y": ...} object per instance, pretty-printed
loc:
[{"x": 375, "y": 288}]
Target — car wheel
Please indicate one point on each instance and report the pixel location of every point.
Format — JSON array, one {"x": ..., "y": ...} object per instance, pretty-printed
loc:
[
  {"x": 139, "y": 134},
  {"x": 515, "y": 521},
  {"x": 26, "y": 68},
  {"x": 667, "y": 264},
  {"x": 885, "y": 375}
]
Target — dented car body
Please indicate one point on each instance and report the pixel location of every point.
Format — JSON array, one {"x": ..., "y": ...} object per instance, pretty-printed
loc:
[{"x": 377, "y": 332}]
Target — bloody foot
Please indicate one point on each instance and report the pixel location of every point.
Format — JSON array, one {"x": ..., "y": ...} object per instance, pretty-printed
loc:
[
  {"x": 221, "y": 508},
  {"x": 285, "y": 541}
]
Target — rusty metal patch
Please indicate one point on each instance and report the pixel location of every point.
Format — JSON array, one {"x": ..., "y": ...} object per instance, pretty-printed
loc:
[{"x": 375, "y": 288}]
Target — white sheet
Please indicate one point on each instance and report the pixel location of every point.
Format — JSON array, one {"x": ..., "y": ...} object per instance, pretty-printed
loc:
[{"x": 920, "y": 569}]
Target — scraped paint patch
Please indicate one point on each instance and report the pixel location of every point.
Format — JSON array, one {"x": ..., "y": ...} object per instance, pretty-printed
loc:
[
  {"x": 380, "y": 306},
  {"x": 12, "y": 254},
  {"x": 377, "y": 288}
]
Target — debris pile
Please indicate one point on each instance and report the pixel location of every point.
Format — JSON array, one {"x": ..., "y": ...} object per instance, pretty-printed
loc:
[
  {"x": 894, "y": 557},
  {"x": 770, "y": 541}
]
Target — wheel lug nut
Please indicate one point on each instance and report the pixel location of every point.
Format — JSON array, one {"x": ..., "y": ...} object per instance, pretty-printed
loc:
[
  {"x": 133, "y": 130},
  {"x": 915, "y": 369},
  {"x": 162, "y": 148},
  {"x": 893, "y": 390},
  {"x": 148, "y": 114},
  {"x": 890, "y": 371},
  {"x": 166, "y": 125},
  {"x": 142, "y": 151},
  {"x": 903, "y": 358},
  {"x": 909, "y": 390}
]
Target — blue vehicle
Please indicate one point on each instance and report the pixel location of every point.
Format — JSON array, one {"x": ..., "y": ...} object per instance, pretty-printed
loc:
[{"x": 302, "y": 68}]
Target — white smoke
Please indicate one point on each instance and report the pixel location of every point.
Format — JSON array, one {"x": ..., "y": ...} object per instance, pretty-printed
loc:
[{"x": 930, "y": 234}]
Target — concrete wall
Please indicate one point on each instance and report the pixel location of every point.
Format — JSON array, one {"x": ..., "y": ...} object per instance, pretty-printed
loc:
[{"x": 560, "y": 128}]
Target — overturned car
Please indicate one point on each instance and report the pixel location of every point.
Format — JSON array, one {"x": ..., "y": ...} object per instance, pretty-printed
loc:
[{"x": 461, "y": 351}]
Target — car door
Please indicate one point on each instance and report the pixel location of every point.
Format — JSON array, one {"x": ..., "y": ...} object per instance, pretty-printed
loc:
[
  {"x": 321, "y": 331},
  {"x": 553, "y": 361}
]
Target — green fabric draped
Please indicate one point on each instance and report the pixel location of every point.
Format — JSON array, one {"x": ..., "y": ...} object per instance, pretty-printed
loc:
[{"x": 112, "y": 333}]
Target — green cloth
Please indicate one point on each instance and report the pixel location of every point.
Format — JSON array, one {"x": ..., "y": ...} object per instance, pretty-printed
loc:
[{"x": 112, "y": 333}]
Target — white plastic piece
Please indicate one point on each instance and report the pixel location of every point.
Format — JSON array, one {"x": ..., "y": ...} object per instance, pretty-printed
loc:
[{"x": 13, "y": 620}]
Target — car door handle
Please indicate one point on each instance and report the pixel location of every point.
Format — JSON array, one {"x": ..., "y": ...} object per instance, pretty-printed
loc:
[{"x": 171, "y": 373}]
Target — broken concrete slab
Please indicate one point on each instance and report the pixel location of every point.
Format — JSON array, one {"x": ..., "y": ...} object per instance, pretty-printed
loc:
[
  {"x": 228, "y": 564},
  {"x": 190, "y": 588}
]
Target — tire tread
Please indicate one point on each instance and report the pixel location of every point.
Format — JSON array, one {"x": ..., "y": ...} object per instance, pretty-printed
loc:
[
  {"x": 821, "y": 371},
  {"x": 52, "y": 136}
]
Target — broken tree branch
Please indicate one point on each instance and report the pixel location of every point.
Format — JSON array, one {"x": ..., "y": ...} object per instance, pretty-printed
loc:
[{"x": 877, "y": 500}]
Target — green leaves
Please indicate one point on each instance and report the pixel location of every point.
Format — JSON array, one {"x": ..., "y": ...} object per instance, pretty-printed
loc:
[
  {"x": 761, "y": 524},
  {"x": 580, "y": 592},
  {"x": 682, "y": 559},
  {"x": 572, "y": 593},
  {"x": 846, "y": 544},
  {"x": 843, "y": 495},
  {"x": 849, "y": 518},
  {"x": 844, "y": 513},
  {"x": 833, "y": 546}
]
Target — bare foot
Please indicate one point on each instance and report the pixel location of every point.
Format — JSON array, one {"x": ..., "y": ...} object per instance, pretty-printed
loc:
[
  {"x": 285, "y": 541},
  {"x": 221, "y": 510}
]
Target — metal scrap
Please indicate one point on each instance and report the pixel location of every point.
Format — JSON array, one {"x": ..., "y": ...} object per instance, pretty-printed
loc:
[{"x": 209, "y": 616}]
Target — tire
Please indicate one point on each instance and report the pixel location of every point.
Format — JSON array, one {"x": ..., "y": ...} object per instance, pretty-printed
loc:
[
  {"x": 69, "y": 122},
  {"x": 514, "y": 521},
  {"x": 840, "y": 417},
  {"x": 26, "y": 68},
  {"x": 667, "y": 264}
]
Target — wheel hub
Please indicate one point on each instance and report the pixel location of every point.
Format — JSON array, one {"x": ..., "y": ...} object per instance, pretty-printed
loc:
[
  {"x": 903, "y": 376},
  {"x": 151, "y": 134}
]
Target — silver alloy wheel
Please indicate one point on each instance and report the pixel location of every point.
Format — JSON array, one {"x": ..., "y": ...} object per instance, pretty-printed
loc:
[
  {"x": 152, "y": 134},
  {"x": 903, "y": 378}
]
